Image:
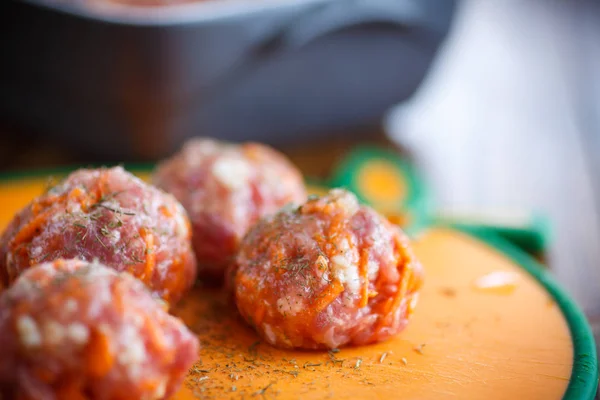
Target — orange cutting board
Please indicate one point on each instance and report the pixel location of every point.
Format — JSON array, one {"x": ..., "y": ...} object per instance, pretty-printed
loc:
[{"x": 512, "y": 341}]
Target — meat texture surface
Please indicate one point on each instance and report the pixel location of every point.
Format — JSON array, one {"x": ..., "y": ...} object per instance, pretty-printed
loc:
[
  {"x": 107, "y": 215},
  {"x": 326, "y": 274},
  {"x": 226, "y": 188},
  {"x": 77, "y": 330}
]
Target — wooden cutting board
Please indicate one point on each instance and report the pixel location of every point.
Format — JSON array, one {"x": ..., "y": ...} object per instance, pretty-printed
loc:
[{"x": 521, "y": 339}]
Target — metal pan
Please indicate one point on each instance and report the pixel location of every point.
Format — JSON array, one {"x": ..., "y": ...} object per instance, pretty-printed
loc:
[{"x": 134, "y": 82}]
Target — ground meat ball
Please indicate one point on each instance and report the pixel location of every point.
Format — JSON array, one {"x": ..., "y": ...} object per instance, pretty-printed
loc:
[
  {"x": 327, "y": 274},
  {"x": 109, "y": 215},
  {"x": 75, "y": 330},
  {"x": 226, "y": 188}
]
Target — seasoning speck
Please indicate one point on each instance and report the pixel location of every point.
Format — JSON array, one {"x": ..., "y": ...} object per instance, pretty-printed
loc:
[
  {"x": 263, "y": 390},
  {"x": 252, "y": 348},
  {"x": 306, "y": 365},
  {"x": 448, "y": 292},
  {"x": 382, "y": 358},
  {"x": 419, "y": 348}
]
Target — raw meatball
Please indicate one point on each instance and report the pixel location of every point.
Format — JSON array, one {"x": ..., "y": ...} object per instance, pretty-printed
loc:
[
  {"x": 109, "y": 215},
  {"x": 327, "y": 274},
  {"x": 226, "y": 188},
  {"x": 75, "y": 330}
]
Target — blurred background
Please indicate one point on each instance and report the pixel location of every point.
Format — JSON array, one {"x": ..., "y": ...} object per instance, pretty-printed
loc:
[{"x": 498, "y": 103}]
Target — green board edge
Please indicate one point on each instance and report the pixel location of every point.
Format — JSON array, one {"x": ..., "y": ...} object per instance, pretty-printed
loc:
[{"x": 583, "y": 383}]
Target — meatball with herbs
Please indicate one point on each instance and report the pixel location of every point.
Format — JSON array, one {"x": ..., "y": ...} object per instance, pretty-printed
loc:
[
  {"x": 226, "y": 188},
  {"x": 75, "y": 330},
  {"x": 326, "y": 274},
  {"x": 108, "y": 215}
]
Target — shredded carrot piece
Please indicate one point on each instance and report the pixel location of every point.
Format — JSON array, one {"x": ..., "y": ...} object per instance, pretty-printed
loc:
[
  {"x": 101, "y": 184},
  {"x": 156, "y": 340},
  {"x": 100, "y": 358},
  {"x": 393, "y": 303},
  {"x": 332, "y": 291},
  {"x": 164, "y": 210},
  {"x": 150, "y": 254},
  {"x": 407, "y": 283},
  {"x": 117, "y": 301},
  {"x": 397, "y": 299},
  {"x": 401, "y": 292},
  {"x": 41, "y": 211},
  {"x": 29, "y": 229},
  {"x": 44, "y": 202},
  {"x": 260, "y": 314},
  {"x": 149, "y": 385},
  {"x": 36, "y": 207},
  {"x": 70, "y": 390},
  {"x": 245, "y": 281},
  {"x": 75, "y": 193},
  {"x": 44, "y": 374},
  {"x": 387, "y": 306},
  {"x": 363, "y": 274},
  {"x": 407, "y": 274},
  {"x": 173, "y": 283}
]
